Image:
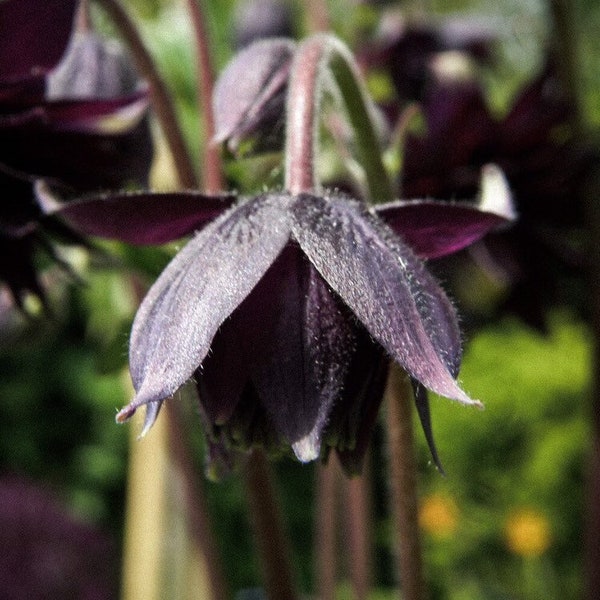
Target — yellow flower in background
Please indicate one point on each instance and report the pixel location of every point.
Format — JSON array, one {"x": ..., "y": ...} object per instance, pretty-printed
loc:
[
  {"x": 527, "y": 532},
  {"x": 438, "y": 515}
]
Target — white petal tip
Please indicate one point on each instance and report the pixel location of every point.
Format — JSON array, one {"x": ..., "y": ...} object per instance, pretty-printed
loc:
[
  {"x": 495, "y": 195},
  {"x": 307, "y": 449}
]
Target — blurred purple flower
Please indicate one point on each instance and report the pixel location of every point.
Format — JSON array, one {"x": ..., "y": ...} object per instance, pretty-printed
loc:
[
  {"x": 48, "y": 554},
  {"x": 405, "y": 49},
  {"x": 71, "y": 110},
  {"x": 545, "y": 166}
]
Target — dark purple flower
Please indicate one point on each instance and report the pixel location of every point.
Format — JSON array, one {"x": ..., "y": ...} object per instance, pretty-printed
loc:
[
  {"x": 46, "y": 553},
  {"x": 405, "y": 49},
  {"x": 284, "y": 308},
  {"x": 72, "y": 111},
  {"x": 545, "y": 165}
]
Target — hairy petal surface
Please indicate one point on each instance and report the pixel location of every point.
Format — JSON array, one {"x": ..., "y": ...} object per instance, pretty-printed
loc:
[
  {"x": 136, "y": 217},
  {"x": 177, "y": 321},
  {"x": 306, "y": 346},
  {"x": 433, "y": 228},
  {"x": 385, "y": 285}
]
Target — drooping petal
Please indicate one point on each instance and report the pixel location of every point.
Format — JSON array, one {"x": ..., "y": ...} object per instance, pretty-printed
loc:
[
  {"x": 200, "y": 288},
  {"x": 83, "y": 159},
  {"x": 136, "y": 217},
  {"x": 433, "y": 228},
  {"x": 385, "y": 285},
  {"x": 250, "y": 88},
  {"x": 305, "y": 344},
  {"x": 422, "y": 403},
  {"x": 92, "y": 67},
  {"x": 224, "y": 372},
  {"x": 354, "y": 416}
]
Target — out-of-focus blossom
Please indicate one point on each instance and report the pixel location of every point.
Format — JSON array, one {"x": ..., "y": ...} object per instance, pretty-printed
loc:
[
  {"x": 70, "y": 111},
  {"x": 545, "y": 165},
  {"x": 46, "y": 553},
  {"x": 249, "y": 96},
  {"x": 261, "y": 19},
  {"x": 405, "y": 49},
  {"x": 527, "y": 532}
]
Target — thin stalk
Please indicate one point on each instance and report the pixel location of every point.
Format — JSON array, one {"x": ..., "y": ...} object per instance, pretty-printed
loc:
[
  {"x": 303, "y": 104},
  {"x": 318, "y": 57},
  {"x": 325, "y": 527},
  {"x": 195, "y": 501},
  {"x": 161, "y": 100},
  {"x": 268, "y": 529},
  {"x": 317, "y": 15},
  {"x": 566, "y": 54},
  {"x": 402, "y": 460},
  {"x": 145, "y": 522},
  {"x": 211, "y": 158},
  {"x": 357, "y": 512}
]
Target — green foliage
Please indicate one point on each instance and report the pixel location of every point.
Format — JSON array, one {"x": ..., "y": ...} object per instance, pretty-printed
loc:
[{"x": 526, "y": 450}]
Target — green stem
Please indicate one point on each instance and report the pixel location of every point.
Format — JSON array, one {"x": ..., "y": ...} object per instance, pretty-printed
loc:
[
  {"x": 161, "y": 100},
  {"x": 318, "y": 57},
  {"x": 197, "y": 509}
]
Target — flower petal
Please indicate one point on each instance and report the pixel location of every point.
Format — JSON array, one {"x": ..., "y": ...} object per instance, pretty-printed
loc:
[
  {"x": 306, "y": 343},
  {"x": 136, "y": 217},
  {"x": 422, "y": 403},
  {"x": 354, "y": 417},
  {"x": 385, "y": 285},
  {"x": 433, "y": 228},
  {"x": 250, "y": 88},
  {"x": 199, "y": 289}
]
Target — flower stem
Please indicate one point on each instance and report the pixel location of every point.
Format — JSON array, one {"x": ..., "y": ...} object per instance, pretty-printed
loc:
[
  {"x": 325, "y": 522},
  {"x": 268, "y": 529},
  {"x": 211, "y": 167},
  {"x": 197, "y": 509},
  {"x": 404, "y": 484},
  {"x": 318, "y": 57},
  {"x": 161, "y": 100},
  {"x": 357, "y": 524}
]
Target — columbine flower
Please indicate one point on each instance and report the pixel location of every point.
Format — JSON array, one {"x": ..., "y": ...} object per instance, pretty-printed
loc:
[
  {"x": 545, "y": 165},
  {"x": 83, "y": 127},
  {"x": 284, "y": 308}
]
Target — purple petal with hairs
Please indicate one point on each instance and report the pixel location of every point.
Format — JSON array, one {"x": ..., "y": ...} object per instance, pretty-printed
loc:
[
  {"x": 245, "y": 91},
  {"x": 433, "y": 228},
  {"x": 385, "y": 285},
  {"x": 201, "y": 287}
]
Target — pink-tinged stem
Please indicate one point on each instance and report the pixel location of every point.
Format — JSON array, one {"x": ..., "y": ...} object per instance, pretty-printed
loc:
[
  {"x": 161, "y": 100},
  {"x": 357, "y": 513},
  {"x": 269, "y": 535},
  {"x": 303, "y": 103},
  {"x": 325, "y": 528},
  {"x": 317, "y": 16},
  {"x": 403, "y": 473},
  {"x": 211, "y": 157}
]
